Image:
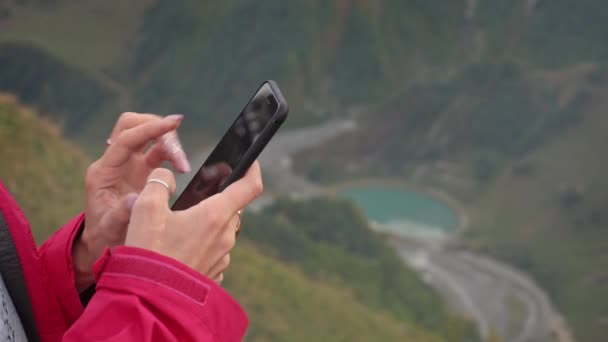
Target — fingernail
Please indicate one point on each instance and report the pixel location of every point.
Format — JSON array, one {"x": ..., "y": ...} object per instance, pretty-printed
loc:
[
  {"x": 175, "y": 117},
  {"x": 174, "y": 148},
  {"x": 182, "y": 163},
  {"x": 131, "y": 198}
]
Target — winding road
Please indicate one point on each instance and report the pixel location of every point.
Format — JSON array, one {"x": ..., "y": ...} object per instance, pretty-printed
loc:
[{"x": 501, "y": 300}]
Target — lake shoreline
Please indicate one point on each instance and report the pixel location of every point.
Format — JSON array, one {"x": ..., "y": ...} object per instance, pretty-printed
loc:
[{"x": 436, "y": 194}]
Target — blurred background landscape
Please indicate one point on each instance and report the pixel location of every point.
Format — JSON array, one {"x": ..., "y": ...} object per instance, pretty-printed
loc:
[{"x": 441, "y": 176}]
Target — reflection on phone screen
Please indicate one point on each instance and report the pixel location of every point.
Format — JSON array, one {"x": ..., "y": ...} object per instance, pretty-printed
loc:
[{"x": 230, "y": 150}]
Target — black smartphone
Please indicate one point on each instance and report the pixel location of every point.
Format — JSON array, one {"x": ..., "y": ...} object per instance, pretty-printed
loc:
[{"x": 239, "y": 147}]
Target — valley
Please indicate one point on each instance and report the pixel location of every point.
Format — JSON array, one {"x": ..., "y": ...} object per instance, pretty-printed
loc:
[
  {"x": 498, "y": 104},
  {"x": 475, "y": 286}
]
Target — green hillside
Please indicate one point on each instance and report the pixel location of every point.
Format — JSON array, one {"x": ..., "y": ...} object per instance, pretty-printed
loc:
[
  {"x": 496, "y": 102},
  {"x": 552, "y": 219},
  {"x": 331, "y": 241},
  {"x": 479, "y": 119},
  {"x": 284, "y": 302},
  {"x": 531, "y": 174},
  {"x": 331, "y": 57},
  {"x": 43, "y": 171},
  {"x": 284, "y": 305},
  {"x": 58, "y": 90}
]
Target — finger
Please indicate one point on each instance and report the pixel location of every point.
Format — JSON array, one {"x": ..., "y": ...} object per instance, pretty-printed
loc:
[
  {"x": 119, "y": 216},
  {"x": 129, "y": 120},
  {"x": 169, "y": 149},
  {"x": 242, "y": 192},
  {"x": 156, "y": 155},
  {"x": 136, "y": 138},
  {"x": 219, "y": 267},
  {"x": 219, "y": 279},
  {"x": 155, "y": 196},
  {"x": 151, "y": 211}
]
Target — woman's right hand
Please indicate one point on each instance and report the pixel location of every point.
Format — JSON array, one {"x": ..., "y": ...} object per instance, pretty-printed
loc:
[{"x": 201, "y": 236}]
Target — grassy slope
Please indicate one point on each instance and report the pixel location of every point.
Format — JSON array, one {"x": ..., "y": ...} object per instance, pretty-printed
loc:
[
  {"x": 45, "y": 173},
  {"x": 521, "y": 219},
  {"x": 41, "y": 169},
  {"x": 330, "y": 241},
  {"x": 283, "y": 305}
]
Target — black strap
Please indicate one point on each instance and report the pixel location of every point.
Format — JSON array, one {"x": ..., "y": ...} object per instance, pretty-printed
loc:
[
  {"x": 12, "y": 274},
  {"x": 87, "y": 295}
]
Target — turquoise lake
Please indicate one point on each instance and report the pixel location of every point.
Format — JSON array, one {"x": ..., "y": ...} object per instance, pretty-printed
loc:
[{"x": 402, "y": 211}]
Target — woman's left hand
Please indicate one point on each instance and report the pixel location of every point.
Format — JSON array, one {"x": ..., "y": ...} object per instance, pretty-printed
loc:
[{"x": 114, "y": 180}]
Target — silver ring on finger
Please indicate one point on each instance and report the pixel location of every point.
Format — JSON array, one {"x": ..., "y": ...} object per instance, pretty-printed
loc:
[{"x": 161, "y": 182}]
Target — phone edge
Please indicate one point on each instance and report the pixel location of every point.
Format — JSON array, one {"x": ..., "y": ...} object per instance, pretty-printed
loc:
[
  {"x": 264, "y": 138},
  {"x": 278, "y": 119}
]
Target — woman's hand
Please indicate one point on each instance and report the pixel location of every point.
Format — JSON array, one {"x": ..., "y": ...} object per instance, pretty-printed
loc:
[
  {"x": 113, "y": 182},
  {"x": 201, "y": 236}
]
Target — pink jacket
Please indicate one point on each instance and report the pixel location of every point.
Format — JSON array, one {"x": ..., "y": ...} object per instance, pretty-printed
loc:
[{"x": 140, "y": 295}]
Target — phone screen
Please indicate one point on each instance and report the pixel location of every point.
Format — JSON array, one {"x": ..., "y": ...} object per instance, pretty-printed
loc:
[{"x": 225, "y": 157}]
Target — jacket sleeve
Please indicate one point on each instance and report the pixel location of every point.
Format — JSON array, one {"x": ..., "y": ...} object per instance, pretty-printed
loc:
[
  {"x": 56, "y": 256},
  {"x": 145, "y": 296}
]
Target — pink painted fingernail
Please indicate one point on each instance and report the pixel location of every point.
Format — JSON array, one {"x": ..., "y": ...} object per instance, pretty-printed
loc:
[
  {"x": 182, "y": 163},
  {"x": 175, "y": 117},
  {"x": 174, "y": 149}
]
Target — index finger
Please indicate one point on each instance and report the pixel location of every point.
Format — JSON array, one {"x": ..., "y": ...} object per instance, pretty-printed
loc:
[
  {"x": 243, "y": 191},
  {"x": 129, "y": 120},
  {"x": 134, "y": 139}
]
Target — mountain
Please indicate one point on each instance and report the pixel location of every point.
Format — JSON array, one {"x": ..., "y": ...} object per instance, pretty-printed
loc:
[
  {"x": 285, "y": 302},
  {"x": 547, "y": 213},
  {"x": 331, "y": 57},
  {"x": 522, "y": 150},
  {"x": 496, "y": 102},
  {"x": 483, "y": 117}
]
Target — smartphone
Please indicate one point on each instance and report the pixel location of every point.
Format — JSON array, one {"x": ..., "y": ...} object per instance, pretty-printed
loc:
[{"x": 239, "y": 147}]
